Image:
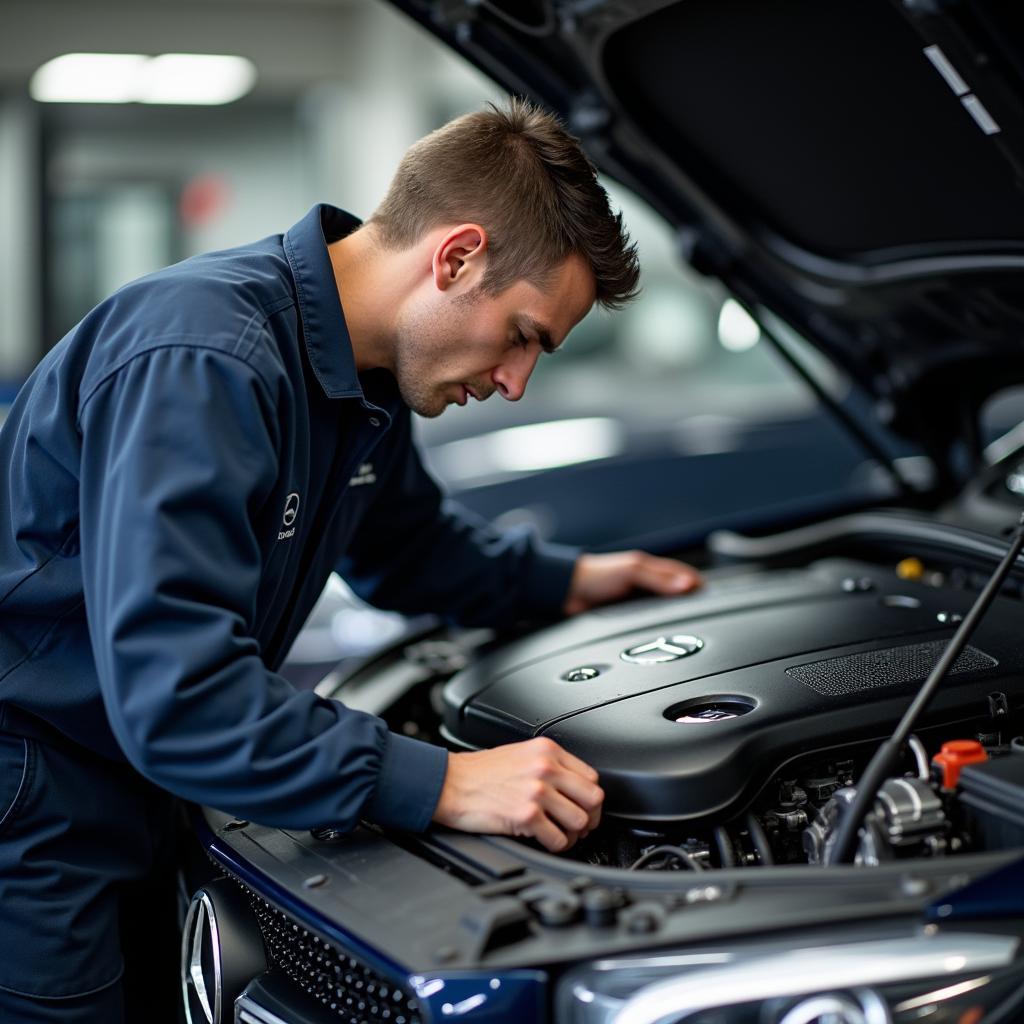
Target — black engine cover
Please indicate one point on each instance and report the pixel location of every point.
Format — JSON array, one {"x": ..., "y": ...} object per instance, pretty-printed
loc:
[{"x": 758, "y": 669}]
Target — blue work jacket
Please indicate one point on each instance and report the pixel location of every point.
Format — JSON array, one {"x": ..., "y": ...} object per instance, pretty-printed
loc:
[{"x": 181, "y": 473}]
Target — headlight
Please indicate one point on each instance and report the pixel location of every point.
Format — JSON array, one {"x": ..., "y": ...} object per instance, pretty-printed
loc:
[{"x": 948, "y": 979}]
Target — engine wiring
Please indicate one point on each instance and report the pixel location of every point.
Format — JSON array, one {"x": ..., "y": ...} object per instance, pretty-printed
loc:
[{"x": 668, "y": 851}]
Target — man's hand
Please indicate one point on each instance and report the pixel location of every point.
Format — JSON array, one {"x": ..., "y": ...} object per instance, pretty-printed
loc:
[
  {"x": 598, "y": 579},
  {"x": 533, "y": 788}
]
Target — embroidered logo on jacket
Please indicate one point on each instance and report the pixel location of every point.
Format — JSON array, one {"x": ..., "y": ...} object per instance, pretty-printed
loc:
[
  {"x": 291, "y": 510},
  {"x": 364, "y": 475}
]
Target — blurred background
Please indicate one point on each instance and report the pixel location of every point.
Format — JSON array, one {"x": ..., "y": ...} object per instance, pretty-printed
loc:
[{"x": 651, "y": 427}]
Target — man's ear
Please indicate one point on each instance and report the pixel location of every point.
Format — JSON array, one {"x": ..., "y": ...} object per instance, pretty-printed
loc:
[{"x": 460, "y": 258}]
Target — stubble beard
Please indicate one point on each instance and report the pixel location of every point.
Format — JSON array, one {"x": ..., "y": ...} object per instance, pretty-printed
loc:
[
  {"x": 417, "y": 393},
  {"x": 421, "y": 365}
]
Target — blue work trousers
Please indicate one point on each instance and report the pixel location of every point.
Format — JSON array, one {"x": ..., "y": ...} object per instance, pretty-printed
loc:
[{"x": 80, "y": 836}]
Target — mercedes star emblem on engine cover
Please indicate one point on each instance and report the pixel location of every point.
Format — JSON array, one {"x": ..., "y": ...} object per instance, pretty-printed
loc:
[{"x": 665, "y": 648}]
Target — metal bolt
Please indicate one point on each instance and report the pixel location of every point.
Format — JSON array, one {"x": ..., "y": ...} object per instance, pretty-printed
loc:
[
  {"x": 234, "y": 825},
  {"x": 315, "y": 881},
  {"x": 581, "y": 674}
]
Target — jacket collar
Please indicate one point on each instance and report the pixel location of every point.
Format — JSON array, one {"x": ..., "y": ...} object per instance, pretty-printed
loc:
[{"x": 323, "y": 322}]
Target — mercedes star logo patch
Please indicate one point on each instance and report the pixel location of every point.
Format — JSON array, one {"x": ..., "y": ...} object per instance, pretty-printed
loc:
[{"x": 665, "y": 648}]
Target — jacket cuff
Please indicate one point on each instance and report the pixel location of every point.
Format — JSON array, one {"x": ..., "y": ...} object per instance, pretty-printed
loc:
[
  {"x": 408, "y": 785},
  {"x": 546, "y": 581}
]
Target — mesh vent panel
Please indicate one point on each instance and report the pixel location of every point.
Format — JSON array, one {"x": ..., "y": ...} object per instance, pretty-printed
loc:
[{"x": 871, "y": 670}]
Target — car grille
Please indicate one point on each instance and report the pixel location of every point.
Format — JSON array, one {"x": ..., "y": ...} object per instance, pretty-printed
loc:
[{"x": 340, "y": 982}]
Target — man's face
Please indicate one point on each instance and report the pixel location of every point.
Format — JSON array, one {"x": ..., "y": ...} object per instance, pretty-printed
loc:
[{"x": 470, "y": 345}]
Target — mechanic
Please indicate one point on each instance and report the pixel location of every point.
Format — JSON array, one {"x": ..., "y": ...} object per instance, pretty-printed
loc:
[{"x": 183, "y": 472}]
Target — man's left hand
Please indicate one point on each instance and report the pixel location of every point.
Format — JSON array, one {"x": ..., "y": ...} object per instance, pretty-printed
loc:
[{"x": 598, "y": 579}]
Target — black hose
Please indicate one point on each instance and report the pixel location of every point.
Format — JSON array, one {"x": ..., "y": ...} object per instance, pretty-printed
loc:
[
  {"x": 667, "y": 851},
  {"x": 726, "y": 850},
  {"x": 760, "y": 840}
]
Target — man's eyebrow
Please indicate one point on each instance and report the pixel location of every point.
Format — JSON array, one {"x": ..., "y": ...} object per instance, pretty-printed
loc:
[{"x": 542, "y": 334}]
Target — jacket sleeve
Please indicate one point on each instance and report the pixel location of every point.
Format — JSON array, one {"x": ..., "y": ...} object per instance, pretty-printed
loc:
[
  {"x": 417, "y": 552},
  {"x": 179, "y": 454}
]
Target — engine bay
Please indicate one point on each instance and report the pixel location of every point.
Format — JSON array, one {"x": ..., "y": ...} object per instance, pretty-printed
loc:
[{"x": 730, "y": 727}]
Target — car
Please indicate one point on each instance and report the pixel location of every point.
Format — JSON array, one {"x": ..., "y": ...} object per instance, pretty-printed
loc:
[{"x": 814, "y": 767}]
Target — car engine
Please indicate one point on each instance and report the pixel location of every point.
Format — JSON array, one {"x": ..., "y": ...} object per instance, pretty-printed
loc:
[{"x": 729, "y": 727}]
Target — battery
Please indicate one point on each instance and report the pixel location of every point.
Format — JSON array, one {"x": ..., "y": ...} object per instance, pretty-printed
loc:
[{"x": 994, "y": 791}]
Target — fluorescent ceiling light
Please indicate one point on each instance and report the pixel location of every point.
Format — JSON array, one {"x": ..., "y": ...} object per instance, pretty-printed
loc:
[
  {"x": 200, "y": 78},
  {"x": 172, "y": 78},
  {"x": 88, "y": 78}
]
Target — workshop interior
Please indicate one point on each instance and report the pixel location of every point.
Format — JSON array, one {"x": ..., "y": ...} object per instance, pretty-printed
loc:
[{"x": 814, "y": 766}]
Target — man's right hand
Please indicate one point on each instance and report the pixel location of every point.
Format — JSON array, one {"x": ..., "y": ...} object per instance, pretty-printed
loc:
[{"x": 533, "y": 788}]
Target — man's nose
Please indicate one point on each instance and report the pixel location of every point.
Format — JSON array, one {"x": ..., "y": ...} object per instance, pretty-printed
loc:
[{"x": 511, "y": 376}]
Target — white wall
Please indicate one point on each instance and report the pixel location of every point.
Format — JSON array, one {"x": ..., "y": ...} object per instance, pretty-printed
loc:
[{"x": 19, "y": 253}]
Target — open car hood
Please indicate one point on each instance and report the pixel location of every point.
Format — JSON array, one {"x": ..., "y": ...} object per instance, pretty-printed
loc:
[{"x": 854, "y": 167}]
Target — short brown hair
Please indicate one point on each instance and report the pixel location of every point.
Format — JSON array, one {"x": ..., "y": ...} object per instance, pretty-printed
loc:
[{"x": 522, "y": 176}]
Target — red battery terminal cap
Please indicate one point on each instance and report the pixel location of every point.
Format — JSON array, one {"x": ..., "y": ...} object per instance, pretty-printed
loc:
[{"x": 954, "y": 755}]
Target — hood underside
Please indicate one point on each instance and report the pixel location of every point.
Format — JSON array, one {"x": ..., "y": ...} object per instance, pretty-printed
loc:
[{"x": 855, "y": 166}]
